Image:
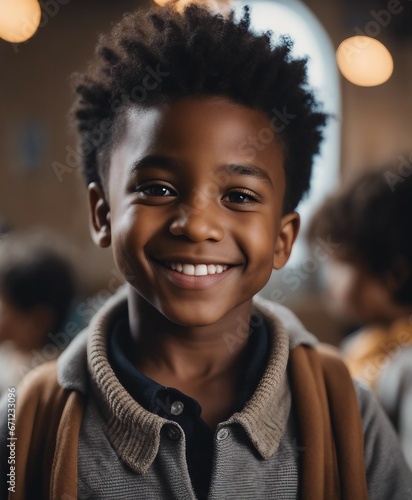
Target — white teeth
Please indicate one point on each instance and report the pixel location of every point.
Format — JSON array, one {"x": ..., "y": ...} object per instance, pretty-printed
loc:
[
  {"x": 211, "y": 269},
  {"x": 198, "y": 269},
  {"x": 189, "y": 269}
]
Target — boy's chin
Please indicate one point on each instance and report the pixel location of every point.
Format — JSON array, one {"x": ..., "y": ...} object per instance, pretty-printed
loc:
[
  {"x": 201, "y": 315},
  {"x": 193, "y": 313},
  {"x": 192, "y": 317}
]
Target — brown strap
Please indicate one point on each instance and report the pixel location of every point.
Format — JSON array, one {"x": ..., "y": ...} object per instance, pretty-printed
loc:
[
  {"x": 310, "y": 415},
  {"x": 63, "y": 480},
  {"x": 332, "y": 481},
  {"x": 46, "y": 414},
  {"x": 347, "y": 424},
  {"x": 329, "y": 426}
]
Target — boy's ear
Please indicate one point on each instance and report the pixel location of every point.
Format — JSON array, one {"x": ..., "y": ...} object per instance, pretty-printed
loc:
[
  {"x": 289, "y": 229},
  {"x": 99, "y": 212}
]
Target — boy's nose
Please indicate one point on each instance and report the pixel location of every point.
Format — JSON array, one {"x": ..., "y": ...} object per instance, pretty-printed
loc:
[{"x": 197, "y": 224}]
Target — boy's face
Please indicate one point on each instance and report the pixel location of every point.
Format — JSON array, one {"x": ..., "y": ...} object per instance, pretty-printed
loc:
[{"x": 185, "y": 199}]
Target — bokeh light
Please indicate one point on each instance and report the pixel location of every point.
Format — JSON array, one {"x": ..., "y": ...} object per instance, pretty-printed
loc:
[
  {"x": 364, "y": 61},
  {"x": 162, "y": 3},
  {"x": 19, "y": 19}
]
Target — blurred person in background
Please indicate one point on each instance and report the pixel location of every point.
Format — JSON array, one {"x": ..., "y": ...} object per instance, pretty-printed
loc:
[
  {"x": 4, "y": 227},
  {"x": 369, "y": 283},
  {"x": 37, "y": 289}
]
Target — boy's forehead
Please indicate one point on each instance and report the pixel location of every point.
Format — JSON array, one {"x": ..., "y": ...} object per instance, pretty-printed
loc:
[
  {"x": 186, "y": 106},
  {"x": 197, "y": 111},
  {"x": 212, "y": 127}
]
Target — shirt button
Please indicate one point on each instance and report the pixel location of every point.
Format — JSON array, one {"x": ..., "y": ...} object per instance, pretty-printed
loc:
[
  {"x": 222, "y": 434},
  {"x": 173, "y": 433},
  {"x": 177, "y": 408}
]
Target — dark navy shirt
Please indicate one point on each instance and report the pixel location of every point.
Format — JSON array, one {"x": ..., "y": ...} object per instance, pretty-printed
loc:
[{"x": 186, "y": 411}]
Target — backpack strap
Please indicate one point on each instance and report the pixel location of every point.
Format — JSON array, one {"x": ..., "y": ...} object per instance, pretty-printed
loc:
[
  {"x": 347, "y": 423},
  {"x": 48, "y": 420},
  {"x": 329, "y": 423}
]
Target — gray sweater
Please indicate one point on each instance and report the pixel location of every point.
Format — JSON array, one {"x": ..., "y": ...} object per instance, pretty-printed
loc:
[
  {"x": 127, "y": 452},
  {"x": 394, "y": 391}
]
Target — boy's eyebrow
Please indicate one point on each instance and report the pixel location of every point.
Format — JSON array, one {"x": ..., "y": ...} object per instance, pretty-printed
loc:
[
  {"x": 252, "y": 170},
  {"x": 153, "y": 161},
  {"x": 230, "y": 168}
]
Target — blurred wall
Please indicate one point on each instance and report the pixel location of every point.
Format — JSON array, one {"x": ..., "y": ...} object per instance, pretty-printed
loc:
[
  {"x": 377, "y": 121},
  {"x": 35, "y": 99}
]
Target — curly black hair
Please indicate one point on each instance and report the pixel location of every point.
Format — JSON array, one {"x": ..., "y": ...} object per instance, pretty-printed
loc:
[
  {"x": 369, "y": 217},
  {"x": 197, "y": 53}
]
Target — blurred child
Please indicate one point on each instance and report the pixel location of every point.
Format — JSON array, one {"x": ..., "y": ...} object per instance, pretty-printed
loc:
[
  {"x": 185, "y": 385},
  {"x": 37, "y": 288},
  {"x": 369, "y": 277}
]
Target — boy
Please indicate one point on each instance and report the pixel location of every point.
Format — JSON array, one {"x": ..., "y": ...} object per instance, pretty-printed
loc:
[
  {"x": 185, "y": 386},
  {"x": 370, "y": 283}
]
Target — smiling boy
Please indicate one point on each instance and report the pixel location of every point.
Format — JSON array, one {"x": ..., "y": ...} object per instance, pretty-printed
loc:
[{"x": 184, "y": 385}]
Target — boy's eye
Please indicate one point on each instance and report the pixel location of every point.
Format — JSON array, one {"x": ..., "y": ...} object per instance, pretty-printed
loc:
[
  {"x": 158, "y": 190},
  {"x": 239, "y": 197}
]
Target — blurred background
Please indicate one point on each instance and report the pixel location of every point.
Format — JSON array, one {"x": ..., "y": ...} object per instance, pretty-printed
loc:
[{"x": 40, "y": 181}]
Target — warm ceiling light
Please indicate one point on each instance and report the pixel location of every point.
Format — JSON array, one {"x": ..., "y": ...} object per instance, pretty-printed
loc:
[
  {"x": 364, "y": 61},
  {"x": 19, "y": 19},
  {"x": 162, "y": 3}
]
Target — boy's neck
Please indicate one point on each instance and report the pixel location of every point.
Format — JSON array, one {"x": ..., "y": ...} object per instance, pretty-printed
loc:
[{"x": 179, "y": 353}]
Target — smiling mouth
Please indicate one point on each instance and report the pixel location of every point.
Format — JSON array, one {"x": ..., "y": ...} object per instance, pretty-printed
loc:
[{"x": 196, "y": 269}]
